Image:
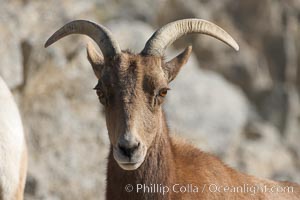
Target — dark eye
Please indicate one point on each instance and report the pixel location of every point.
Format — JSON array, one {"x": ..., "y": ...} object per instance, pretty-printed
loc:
[
  {"x": 101, "y": 97},
  {"x": 163, "y": 92},
  {"x": 100, "y": 94}
]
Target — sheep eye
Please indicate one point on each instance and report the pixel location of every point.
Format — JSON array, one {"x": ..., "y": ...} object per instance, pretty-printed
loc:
[
  {"x": 101, "y": 96},
  {"x": 100, "y": 93},
  {"x": 163, "y": 92}
]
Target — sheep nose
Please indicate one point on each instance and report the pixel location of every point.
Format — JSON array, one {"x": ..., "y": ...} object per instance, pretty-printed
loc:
[{"x": 128, "y": 148}]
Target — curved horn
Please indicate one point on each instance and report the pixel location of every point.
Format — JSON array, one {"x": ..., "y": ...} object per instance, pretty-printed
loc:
[
  {"x": 166, "y": 35},
  {"x": 101, "y": 35}
]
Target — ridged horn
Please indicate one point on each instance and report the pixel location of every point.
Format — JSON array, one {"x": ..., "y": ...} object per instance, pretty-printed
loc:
[
  {"x": 167, "y": 34},
  {"x": 101, "y": 35}
]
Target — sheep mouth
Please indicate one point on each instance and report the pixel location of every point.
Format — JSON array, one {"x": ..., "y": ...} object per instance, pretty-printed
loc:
[{"x": 130, "y": 165}]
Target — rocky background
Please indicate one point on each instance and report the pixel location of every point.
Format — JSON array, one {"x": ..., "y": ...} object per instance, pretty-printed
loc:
[{"x": 243, "y": 107}]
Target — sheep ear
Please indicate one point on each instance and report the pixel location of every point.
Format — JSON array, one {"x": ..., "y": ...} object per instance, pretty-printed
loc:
[
  {"x": 172, "y": 67},
  {"x": 96, "y": 59}
]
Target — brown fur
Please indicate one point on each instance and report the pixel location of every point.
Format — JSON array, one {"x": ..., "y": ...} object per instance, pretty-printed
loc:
[{"x": 129, "y": 86}]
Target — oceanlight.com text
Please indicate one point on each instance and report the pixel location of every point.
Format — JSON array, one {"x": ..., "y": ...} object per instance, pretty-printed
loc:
[{"x": 214, "y": 188}]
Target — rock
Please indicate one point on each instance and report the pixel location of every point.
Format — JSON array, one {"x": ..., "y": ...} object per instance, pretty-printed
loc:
[
  {"x": 31, "y": 185},
  {"x": 146, "y": 11},
  {"x": 292, "y": 127},
  {"x": 134, "y": 38},
  {"x": 261, "y": 152},
  {"x": 68, "y": 140},
  {"x": 204, "y": 107}
]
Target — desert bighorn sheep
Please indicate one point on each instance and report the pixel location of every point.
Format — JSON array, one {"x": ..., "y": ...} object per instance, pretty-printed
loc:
[
  {"x": 145, "y": 162},
  {"x": 13, "y": 154}
]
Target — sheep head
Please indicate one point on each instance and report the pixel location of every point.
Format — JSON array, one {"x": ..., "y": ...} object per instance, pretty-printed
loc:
[{"x": 132, "y": 87}]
